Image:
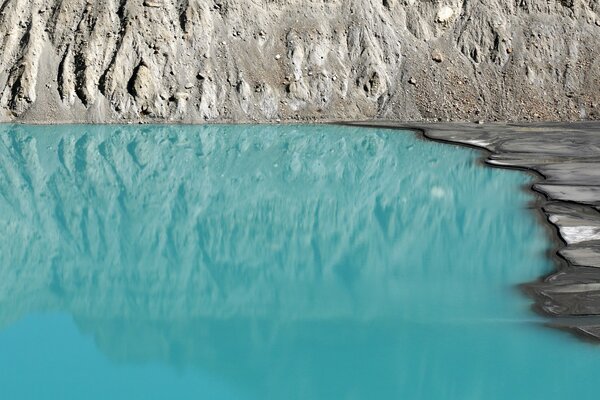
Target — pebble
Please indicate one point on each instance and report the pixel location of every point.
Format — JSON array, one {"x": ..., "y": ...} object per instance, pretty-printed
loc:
[
  {"x": 412, "y": 81},
  {"x": 278, "y": 56},
  {"x": 152, "y": 4},
  {"x": 436, "y": 56},
  {"x": 181, "y": 95}
]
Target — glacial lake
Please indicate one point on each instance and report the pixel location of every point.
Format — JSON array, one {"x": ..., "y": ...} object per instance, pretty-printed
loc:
[{"x": 270, "y": 262}]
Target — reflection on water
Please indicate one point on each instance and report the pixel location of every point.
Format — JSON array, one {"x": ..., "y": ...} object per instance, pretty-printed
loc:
[{"x": 290, "y": 262}]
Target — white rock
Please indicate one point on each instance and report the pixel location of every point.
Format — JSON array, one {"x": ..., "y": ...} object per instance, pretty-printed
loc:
[
  {"x": 444, "y": 14},
  {"x": 152, "y": 4},
  {"x": 181, "y": 95}
]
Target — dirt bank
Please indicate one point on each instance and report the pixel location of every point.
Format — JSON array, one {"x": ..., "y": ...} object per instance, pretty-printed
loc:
[{"x": 264, "y": 60}]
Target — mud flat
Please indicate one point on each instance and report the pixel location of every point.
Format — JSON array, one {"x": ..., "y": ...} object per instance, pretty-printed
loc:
[{"x": 566, "y": 160}]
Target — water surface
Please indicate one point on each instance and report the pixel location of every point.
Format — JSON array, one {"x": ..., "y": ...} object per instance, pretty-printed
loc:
[{"x": 269, "y": 262}]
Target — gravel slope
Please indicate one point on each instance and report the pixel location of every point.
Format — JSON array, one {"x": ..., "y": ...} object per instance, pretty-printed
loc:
[{"x": 264, "y": 60}]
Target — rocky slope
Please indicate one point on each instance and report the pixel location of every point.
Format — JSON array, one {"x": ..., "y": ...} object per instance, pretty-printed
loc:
[{"x": 263, "y": 60}]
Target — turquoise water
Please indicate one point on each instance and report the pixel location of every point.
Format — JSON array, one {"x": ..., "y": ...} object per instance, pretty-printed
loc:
[{"x": 269, "y": 262}]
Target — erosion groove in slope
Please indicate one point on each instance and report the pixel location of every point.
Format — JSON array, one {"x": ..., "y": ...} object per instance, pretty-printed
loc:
[
  {"x": 196, "y": 60},
  {"x": 567, "y": 159}
]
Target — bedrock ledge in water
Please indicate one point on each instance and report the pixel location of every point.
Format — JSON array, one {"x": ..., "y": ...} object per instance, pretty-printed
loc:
[{"x": 566, "y": 160}]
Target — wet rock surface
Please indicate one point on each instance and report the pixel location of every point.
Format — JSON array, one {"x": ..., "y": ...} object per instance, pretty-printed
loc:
[
  {"x": 264, "y": 60},
  {"x": 566, "y": 158}
]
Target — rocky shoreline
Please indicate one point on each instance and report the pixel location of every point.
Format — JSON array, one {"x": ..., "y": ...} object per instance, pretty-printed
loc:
[{"x": 566, "y": 159}]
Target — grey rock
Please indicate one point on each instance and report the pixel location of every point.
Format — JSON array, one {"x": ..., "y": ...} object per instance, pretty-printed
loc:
[{"x": 437, "y": 56}]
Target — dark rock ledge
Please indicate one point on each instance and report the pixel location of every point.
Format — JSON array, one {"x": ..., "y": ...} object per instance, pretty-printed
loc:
[{"x": 566, "y": 160}]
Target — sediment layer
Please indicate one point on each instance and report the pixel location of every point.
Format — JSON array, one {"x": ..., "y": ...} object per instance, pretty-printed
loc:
[
  {"x": 263, "y": 60},
  {"x": 566, "y": 158}
]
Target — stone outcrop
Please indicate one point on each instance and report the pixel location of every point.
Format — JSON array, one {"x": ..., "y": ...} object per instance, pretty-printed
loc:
[{"x": 264, "y": 60}]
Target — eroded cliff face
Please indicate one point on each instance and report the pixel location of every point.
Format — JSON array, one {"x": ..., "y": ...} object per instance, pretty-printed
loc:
[{"x": 263, "y": 60}]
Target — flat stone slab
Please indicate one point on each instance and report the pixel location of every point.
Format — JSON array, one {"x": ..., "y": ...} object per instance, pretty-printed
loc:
[
  {"x": 566, "y": 160},
  {"x": 582, "y": 254}
]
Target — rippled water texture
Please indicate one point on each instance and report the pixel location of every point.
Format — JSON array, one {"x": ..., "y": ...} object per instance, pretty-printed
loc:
[{"x": 264, "y": 262}]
